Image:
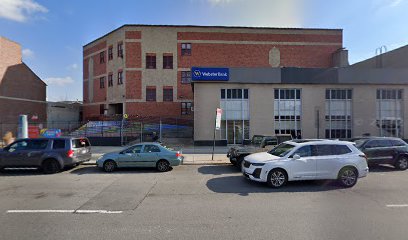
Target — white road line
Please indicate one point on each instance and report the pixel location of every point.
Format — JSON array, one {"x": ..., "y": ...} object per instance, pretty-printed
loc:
[
  {"x": 65, "y": 211},
  {"x": 397, "y": 205},
  {"x": 97, "y": 211},
  {"x": 40, "y": 211}
]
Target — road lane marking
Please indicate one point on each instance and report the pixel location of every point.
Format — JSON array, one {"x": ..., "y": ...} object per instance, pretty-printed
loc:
[
  {"x": 65, "y": 211},
  {"x": 397, "y": 205},
  {"x": 97, "y": 211},
  {"x": 40, "y": 211}
]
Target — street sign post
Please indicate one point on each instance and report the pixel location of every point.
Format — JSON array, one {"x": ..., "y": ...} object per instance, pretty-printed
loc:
[{"x": 218, "y": 115}]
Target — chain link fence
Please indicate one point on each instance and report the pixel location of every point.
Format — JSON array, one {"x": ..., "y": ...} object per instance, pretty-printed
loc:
[{"x": 117, "y": 131}]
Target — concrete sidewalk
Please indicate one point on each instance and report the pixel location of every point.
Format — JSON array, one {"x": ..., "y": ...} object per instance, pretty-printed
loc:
[{"x": 192, "y": 155}]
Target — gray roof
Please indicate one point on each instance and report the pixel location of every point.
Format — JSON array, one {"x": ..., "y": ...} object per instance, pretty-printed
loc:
[{"x": 291, "y": 75}]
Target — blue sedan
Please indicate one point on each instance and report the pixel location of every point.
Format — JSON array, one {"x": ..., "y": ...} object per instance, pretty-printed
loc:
[{"x": 141, "y": 155}]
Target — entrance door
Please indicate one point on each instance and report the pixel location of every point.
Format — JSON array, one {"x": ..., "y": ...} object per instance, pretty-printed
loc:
[{"x": 235, "y": 131}]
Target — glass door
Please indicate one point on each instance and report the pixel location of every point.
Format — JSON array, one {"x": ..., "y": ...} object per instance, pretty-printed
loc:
[{"x": 235, "y": 131}]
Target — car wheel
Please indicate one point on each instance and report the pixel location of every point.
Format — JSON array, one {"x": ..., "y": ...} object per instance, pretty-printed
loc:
[
  {"x": 348, "y": 177},
  {"x": 240, "y": 162},
  {"x": 163, "y": 166},
  {"x": 50, "y": 166},
  {"x": 402, "y": 163},
  {"x": 277, "y": 178},
  {"x": 109, "y": 166}
]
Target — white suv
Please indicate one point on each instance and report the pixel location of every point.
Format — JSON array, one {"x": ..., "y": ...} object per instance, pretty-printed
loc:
[{"x": 307, "y": 160}]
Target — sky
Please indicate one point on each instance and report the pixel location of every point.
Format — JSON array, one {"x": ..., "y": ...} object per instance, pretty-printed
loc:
[{"x": 52, "y": 32}]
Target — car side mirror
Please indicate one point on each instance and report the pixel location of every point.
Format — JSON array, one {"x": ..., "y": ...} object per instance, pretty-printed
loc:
[{"x": 296, "y": 157}]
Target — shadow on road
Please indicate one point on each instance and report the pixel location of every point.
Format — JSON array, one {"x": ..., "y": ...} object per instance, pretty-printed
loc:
[
  {"x": 20, "y": 172},
  {"x": 242, "y": 186},
  {"x": 96, "y": 170},
  {"x": 218, "y": 169},
  {"x": 382, "y": 168}
]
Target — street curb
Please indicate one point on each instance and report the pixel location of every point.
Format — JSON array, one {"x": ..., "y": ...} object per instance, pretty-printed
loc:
[
  {"x": 88, "y": 164},
  {"x": 206, "y": 163}
]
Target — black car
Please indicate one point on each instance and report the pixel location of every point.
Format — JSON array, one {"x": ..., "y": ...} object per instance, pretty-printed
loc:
[{"x": 384, "y": 150}]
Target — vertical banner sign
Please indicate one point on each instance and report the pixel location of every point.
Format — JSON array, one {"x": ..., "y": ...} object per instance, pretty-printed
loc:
[
  {"x": 218, "y": 119},
  {"x": 217, "y": 127}
]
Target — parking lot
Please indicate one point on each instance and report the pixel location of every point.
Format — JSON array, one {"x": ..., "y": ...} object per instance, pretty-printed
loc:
[{"x": 198, "y": 202}]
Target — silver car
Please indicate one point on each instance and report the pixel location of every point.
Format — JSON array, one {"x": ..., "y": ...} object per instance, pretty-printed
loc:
[
  {"x": 49, "y": 154},
  {"x": 141, "y": 155}
]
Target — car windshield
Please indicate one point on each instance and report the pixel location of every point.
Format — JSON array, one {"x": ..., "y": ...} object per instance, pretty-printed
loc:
[
  {"x": 256, "y": 140},
  {"x": 282, "y": 149},
  {"x": 359, "y": 143}
]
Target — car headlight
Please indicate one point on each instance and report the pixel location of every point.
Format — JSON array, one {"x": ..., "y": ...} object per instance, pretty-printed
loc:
[{"x": 257, "y": 164}]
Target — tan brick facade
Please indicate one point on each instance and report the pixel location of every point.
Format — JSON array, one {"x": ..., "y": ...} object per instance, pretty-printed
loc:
[{"x": 210, "y": 46}]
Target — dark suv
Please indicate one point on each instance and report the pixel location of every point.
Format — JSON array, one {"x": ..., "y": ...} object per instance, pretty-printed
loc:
[
  {"x": 384, "y": 150},
  {"x": 49, "y": 154},
  {"x": 259, "y": 143}
]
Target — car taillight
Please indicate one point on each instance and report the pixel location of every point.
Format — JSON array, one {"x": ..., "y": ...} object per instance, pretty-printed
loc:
[
  {"x": 70, "y": 153},
  {"x": 363, "y": 156},
  {"x": 178, "y": 154}
]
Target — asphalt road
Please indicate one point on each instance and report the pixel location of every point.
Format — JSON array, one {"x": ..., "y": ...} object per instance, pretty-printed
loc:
[{"x": 198, "y": 202}]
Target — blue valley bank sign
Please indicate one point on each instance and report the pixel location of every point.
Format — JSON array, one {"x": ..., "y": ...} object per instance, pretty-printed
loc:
[{"x": 209, "y": 74}]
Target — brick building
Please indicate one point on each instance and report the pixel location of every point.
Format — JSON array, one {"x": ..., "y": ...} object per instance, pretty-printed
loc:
[
  {"x": 21, "y": 90},
  {"x": 145, "y": 70}
]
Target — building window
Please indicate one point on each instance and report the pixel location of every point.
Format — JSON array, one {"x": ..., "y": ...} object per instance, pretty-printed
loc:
[
  {"x": 185, "y": 49},
  {"x": 287, "y": 112},
  {"x": 110, "y": 80},
  {"x": 168, "y": 62},
  {"x": 120, "y": 50},
  {"x": 120, "y": 78},
  {"x": 102, "y": 57},
  {"x": 168, "y": 94},
  {"x": 338, "y": 113},
  {"x": 234, "y": 93},
  {"x": 186, "y": 77},
  {"x": 102, "y": 82},
  {"x": 151, "y": 61},
  {"x": 151, "y": 94},
  {"x": 389, "y": 112},
  {"x": 186, "y": 108},
  {"x": 110, "y": 53},
  {"x": 235, "y": 115}
]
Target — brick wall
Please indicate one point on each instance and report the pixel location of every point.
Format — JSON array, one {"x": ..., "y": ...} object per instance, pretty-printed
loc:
[
  {"x": 96, "y": 48},
  {"x": 85, "y": 91},
  {"x": 217, "y": 36},
  {"x": 154, "y": 109},
  {"x": 99, "y": 93},
  {"x": 85, "y": 68},
  {"x": 229, "y": 47},
  {"x": 252, "y": 55},
  {"x": 133, "y": 34},
  {"x": 133, "y": 84},
  {"x": 133, "y": 54},
  {"x": 90, "y": 111},
  {"x": 184, "y": 90},
  {"x": 11, "y": 109},
  {"x": 20, "y": 82},
  {"x": 98, "y": 67},
  {"x": 10, "y": 54}
]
